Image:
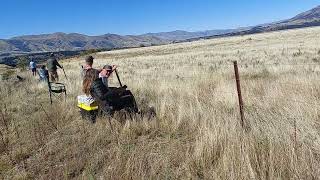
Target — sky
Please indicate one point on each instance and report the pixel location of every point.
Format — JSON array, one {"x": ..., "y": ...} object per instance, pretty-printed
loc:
[{"x": 97, "y": 17}]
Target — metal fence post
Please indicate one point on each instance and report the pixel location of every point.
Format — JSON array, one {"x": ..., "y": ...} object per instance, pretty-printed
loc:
[{"x": 236, "y": 71}]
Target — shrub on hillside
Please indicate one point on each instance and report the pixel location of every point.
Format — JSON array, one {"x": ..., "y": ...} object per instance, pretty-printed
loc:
[
  {"x": 89, "y": 51},
  {"x": 299, "y": 53},
  {"x": 22, "y": 62},
  {"x": 7, "y": 74}
]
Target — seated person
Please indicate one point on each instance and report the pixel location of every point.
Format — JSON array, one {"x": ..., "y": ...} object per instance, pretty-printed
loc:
[
  {"x": 106, "y": 73},
  {"x": 43, "y": 73},
  {"x": 93, "y": 86}
]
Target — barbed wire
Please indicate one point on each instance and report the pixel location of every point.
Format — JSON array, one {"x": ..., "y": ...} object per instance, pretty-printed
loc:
[
  {"x": 241, "y": 64},
  {"x": 217, "y": 67},
  {"x": 285, "y": 99},
  {"x": 281, "y": 64},
  {"x": 230, "y": 64},
  {"x": 296, "y": 84},
  {"x": 225, "y": 92},
  {"x": 284, "y": 84}
]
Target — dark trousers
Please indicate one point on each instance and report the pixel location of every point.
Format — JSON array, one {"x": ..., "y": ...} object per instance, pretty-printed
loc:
[{"x": 106, "y": 107}]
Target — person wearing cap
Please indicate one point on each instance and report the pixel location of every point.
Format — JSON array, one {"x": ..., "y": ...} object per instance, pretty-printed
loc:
[
  {"x": 88, "y": 65},
  {"x": 106, "y": 73},
  {"x": 52, "y": 65},
  {"x": 33, "y": 67}
]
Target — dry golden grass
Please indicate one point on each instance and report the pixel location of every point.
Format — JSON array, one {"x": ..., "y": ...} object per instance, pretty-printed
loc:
[{"x": 197, "y": 132}]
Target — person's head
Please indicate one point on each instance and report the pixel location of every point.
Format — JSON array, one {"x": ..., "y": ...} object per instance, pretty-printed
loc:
[
  {"x": 89, "y": 60},
  {"x": 43, "y": 67},
  {"x": 51, "y": 54},
  {"x": 90, "y": 76},
  {"x": 106, "y": 71},
  {"x": 31, "y": 60},
  {"x": 107, "y": 67}
]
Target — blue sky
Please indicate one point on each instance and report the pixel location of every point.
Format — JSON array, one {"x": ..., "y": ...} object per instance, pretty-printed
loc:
[{"x": 96, "y": 17}]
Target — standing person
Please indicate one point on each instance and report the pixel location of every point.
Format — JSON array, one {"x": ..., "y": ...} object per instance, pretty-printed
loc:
[
  {"x": 33, "y": 67},
  {"x": 52, "y": 64},
  {"x": 106, "y": 73},
  {"x": 88, "y": 65},
  {"x": 43, "y": 73}
]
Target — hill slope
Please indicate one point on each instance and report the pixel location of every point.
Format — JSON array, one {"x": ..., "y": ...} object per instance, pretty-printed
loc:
[
  {"x": 308, "y": 15},
  {"x": 182, "y": 35},
  {"x": 307, "y": 19},
  {"x": 74, "y": 41}
]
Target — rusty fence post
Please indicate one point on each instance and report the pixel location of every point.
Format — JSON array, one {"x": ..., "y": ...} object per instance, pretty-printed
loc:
[{"x": 236, "y": 71}]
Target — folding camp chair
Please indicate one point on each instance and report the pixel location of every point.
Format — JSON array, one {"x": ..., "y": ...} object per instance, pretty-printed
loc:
[{"x": 57, "y": 90}]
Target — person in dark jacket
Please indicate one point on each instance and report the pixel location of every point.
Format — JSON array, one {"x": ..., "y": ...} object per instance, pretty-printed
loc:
[
  {"x": 93, "y": 86},
  {"x": 52, "y": 65}
]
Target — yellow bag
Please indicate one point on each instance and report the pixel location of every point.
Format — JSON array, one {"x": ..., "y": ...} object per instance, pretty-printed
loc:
[{"x": 87, "y": 103}]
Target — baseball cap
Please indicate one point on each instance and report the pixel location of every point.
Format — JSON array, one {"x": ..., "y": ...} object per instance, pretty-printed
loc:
[{"x": 107, "y": 67}]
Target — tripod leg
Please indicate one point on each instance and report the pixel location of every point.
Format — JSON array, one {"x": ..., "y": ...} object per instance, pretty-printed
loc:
[
  {"x": 50, "y": 97},
  {"x": 49, "y": 87}
]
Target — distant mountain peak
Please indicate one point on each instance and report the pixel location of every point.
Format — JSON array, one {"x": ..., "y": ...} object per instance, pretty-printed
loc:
[
  {"x": 308, "y": 15},
  {"x": 59, "y": 33}
]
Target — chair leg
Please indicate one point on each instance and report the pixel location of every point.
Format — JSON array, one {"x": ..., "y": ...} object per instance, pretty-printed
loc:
[
  {"x": 65, "y": 96},
  {"x": 111, "y": 127}
]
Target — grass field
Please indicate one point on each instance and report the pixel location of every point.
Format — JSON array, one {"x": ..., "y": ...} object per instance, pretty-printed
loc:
[{"x": 197, "y": 132}]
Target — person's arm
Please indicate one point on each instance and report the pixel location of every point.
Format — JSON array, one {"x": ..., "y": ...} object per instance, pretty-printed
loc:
[{"x": 114, "y": 67}]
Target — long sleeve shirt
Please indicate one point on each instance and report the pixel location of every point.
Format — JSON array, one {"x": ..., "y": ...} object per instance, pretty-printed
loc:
[{"x": 52, "y": 64}]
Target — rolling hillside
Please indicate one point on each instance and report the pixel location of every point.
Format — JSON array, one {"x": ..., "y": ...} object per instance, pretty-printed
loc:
[
  {"x": 74, "y": 41},
  {"x": 183, "y": 35},
  {"x": 307, "y": 19}
]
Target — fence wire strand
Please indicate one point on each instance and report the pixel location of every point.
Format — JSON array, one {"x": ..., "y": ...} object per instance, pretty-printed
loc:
[
  {"x": 202, "y": 76},
  {"x": 283, "y": 98}
]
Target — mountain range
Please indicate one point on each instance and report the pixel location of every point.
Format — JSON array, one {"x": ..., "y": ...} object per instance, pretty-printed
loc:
[
  {"x": 183, "y": 35},
  {"x": 75, "y": 42},
  {"x": 306, "y": 19}
]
